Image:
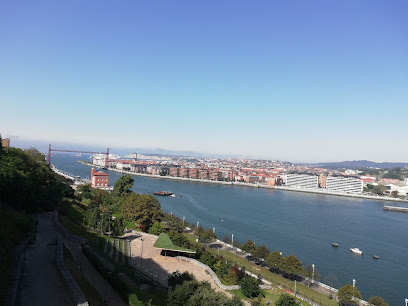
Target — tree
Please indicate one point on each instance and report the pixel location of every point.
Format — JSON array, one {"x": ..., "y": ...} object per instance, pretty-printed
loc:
[
  {"x": 394, "y": 194},
  {"x": 156, "y": 229},
  {"x": 129, "y": 207},
  {"x": 177, "y": 278},
  {"x": 308, "y": 273},
  {"x": 291, "y": 265},
  {"x": 85, "y": 191},
  {"x": 208, "y": 236},
  {"x": 346, "y": 295},
  {"x": 248, "y": 246},
  {"x": 379, "y": 189},
  {"x": 331, "y": 280},
  {"x": 148, "y": 210},
  {"x": 250, "y": 287},
  {"x": 261, "y": 252},
  {"x": 287, "y": 300},
  {"x": 122, "y": 186},
  {"x": 273, "y": 260},
  {"x": 377, "y": 301}
]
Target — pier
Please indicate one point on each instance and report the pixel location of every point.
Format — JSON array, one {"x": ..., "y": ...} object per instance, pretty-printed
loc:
[{"x": 396, "y": 208}]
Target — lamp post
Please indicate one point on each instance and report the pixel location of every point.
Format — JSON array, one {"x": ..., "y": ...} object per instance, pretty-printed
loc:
[
  {"x": 354, "y": 284},
  {"x": 141, "y": 254},
  {"x": 198, "y": 223},
  {"x": 232, "y": 239},
  {"x": 313, "y": 266},
  {"x": 183, "y": 220},
  {"x": 101, "y": 223},
  {"x": 406, "y": 302}
]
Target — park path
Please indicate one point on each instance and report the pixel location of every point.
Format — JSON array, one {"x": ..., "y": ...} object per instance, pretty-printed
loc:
[{"x": 41, "y": 283}]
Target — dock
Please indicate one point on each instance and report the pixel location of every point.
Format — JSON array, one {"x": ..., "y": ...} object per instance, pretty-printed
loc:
[{"x": 396, "y": 208}]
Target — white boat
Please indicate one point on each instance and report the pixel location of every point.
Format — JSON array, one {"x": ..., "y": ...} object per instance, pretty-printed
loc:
[
  {"x": 173, "y": 195},
  {"x": 357, "y": 251}
]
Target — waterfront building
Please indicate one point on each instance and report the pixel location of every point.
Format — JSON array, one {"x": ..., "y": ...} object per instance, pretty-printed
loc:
[
  {"x": 214, "y": 175},
  {"x": 174, "y": 171},
  {"x": 344, "y": 184},
  {"x": 183, "y": 172},
  {"x": 99, "y": 179},
  {"x": 300, "y": 181},
  {"x": 203, "y": 174},
  {"x": 193, "y": 173}
]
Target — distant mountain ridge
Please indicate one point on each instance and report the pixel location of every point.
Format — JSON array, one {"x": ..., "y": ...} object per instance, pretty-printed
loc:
[{"x": 358, "y": 164}]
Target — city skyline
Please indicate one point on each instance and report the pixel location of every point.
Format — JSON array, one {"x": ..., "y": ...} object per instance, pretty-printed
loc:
[{"x": 311, "y": 82}]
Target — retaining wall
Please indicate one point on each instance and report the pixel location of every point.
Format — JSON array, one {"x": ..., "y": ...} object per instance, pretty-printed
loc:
[{"x": 76, "y": 294}]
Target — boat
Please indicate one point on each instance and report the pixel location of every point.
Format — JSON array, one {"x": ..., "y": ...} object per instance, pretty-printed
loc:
[
  {"x": 173, "y": 195},
  {"x": 356, "y": 250},
  {"x": 376, "y": 257},
  {"x": 162, "y": 193},
  {"x": 335, "y": 244}
]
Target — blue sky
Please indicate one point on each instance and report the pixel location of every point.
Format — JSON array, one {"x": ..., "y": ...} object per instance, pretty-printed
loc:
[{"x": 292, "y": 80}]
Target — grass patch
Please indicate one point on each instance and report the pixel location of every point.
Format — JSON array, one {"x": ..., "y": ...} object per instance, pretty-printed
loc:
[
  {"x": 275, "y": 279},
  {"x": 92, "y": 295}
]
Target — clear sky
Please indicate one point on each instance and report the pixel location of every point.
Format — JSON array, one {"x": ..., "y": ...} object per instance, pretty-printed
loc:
[{"x": 292, "y": 80}]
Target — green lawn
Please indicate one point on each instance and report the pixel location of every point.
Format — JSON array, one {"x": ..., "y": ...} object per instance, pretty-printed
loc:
[{"x": 276, "y": 279}]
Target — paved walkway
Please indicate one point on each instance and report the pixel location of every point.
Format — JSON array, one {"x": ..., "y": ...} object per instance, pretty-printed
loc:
[{"x": 41, "y": 283}]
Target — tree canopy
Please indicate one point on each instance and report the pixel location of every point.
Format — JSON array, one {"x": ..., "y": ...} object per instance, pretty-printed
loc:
[
  {"x": 250, "y": 287},
  {"x": 261, "y": 252},
  {"x": 248, "y": 246},
  {"x": 287, "y": 300},
  {"x": 274, "y": 260},
  {"x": 346, "y": 294},
  {"x": 291, "y": 265},
  {"x": 123, "y": 185},
  {"x": 27, "y": 182},
  {"x": 377, "y": 301}
]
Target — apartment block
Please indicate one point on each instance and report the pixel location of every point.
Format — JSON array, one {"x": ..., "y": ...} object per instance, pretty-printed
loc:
[
  {"x": 344, "y": 184},
  {"x": 300, "y": 181}
]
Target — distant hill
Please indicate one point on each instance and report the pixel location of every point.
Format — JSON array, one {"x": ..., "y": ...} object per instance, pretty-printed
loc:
[{"x": 358, "y": 164}]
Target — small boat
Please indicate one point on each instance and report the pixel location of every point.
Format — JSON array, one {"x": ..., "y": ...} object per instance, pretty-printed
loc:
[
  {"x": 335, "y": 244},
  {"x": 357, "y": 251},
  {"x": 376, "y": 257},
  {"x": 162, "y": 193},
  {"x": 173, "y": 195}
]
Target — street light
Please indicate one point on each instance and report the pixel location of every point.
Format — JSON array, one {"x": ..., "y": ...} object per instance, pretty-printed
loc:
[
  {"x": 354, "y": 284},
  {"x": 313, "y": 266},
  {"x": 232, "y": 239},
  {"x": 183, "y": 220},
  {"x": 406, "y": 302},
  {"x": 141, "y": 254}
]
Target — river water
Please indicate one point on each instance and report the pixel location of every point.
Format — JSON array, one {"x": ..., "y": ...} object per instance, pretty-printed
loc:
[{"x": 293, "y": 222}]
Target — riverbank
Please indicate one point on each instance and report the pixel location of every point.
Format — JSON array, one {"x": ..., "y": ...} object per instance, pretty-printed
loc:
[{"x": 315, "y": 191}]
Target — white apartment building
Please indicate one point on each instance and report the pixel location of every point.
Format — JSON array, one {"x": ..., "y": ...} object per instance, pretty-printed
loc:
[
  {"x": 344, "y": 184},
  {"x": 301, "y": 181}
]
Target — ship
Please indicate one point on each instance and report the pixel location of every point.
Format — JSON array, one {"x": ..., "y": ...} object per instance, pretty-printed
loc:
[
  {"x": 335, "y": 244},
  {"x": 163, "y": 193},
  {"x": 357, "y": 251}
]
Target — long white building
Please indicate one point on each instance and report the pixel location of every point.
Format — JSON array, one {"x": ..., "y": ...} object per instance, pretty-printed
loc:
[
  {"x": 301, "y": 181},
  {"x": 344, "y": 184}
]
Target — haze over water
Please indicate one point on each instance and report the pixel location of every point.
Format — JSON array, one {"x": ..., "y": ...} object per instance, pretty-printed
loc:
[{"x": 294, "y": 222}]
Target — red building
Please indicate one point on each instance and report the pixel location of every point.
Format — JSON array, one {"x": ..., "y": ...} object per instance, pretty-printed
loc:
[{"x": 99, "y": 179}]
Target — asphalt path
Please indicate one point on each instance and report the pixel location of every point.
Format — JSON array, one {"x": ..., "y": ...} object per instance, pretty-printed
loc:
[{"x": 41, "y": 283}]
